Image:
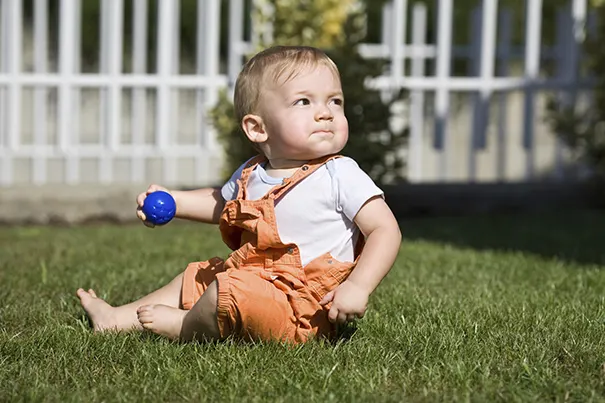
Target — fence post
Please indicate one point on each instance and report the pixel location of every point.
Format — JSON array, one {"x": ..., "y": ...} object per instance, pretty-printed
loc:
[
  {"x": 164, "y": 69},
  {"x": 488, "y": 22},
  {"x": 14, "y": 17},
  {"x": 66, "y": 71},
  {"x": 236, "y": 40},
  {"x": 442, "y": 97},
  {"x": 503, "y": 70},
  {"x": 533, "y": 26},
  {"x": 15, "y": 66},
  {"x": 207, "y": 63},
  {"x": 5, "y": 163},
  {"x": 416, "y": 144},
  {"x": 139, "y": 95},
  {"x": 398, "y": 40},
  {"x": 40, "y": 93},
  {"x": 386, "y": 32},
  {"x": 104, "y": 69},
  {"x": 475, "y": 49},
  {"x": 565, "y": 63},
  {"x": 211, "y": 60},
  {"x": 170, "y": 162},
  {"x": 73, "y": 160},
  {"x": 201, "y": 94},
  {"x": 570, "y": 33},
  {"x": 114, "y": 107}
]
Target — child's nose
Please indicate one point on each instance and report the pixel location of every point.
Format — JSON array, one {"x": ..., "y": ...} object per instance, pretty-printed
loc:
[{"x": 324, "y": 113}]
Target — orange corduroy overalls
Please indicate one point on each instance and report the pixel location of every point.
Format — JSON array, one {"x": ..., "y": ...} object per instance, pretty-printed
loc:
[{"x": 264, "y": 293}]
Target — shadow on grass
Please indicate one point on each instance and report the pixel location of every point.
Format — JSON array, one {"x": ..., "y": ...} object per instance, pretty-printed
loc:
[
  {"x": 575, "y": 236},
  {"x": 343, "y": 334}
]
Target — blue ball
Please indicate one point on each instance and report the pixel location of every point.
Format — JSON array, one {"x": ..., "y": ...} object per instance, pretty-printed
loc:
[{"x": 159, "y": 207}]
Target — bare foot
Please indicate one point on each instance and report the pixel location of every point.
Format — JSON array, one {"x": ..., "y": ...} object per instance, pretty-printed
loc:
[
  {"x": 104, "y": 317},
  {"x": 162, "y": 319}
]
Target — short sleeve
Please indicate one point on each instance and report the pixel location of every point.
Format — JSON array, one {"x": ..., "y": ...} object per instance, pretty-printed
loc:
[
  {"x": 354, "y": 187},
  {"x": 229, "y": 189}
]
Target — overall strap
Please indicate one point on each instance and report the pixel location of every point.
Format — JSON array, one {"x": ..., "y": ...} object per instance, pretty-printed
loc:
[
  {"x": 242, "y": 182},
  {"x": 300, "y": 174}
]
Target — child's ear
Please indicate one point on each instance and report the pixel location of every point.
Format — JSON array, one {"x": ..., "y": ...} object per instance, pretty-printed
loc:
[{"x": 254, "y": 128}]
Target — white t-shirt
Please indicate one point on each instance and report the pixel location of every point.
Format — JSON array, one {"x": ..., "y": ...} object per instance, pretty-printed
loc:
[{"x": 317, "y": 213}]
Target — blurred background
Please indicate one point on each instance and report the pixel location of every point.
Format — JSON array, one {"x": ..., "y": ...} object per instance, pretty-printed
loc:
[{"x": 103, "y": 97}]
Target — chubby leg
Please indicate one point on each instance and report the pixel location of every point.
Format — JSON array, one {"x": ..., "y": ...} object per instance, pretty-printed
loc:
[
  {"x": 106, "y": 317},
  {"x": 199, "y": 323}
]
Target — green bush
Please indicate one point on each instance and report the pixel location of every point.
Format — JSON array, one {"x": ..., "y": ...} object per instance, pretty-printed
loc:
[
  {"x": 582, "y": 128},
  {"x": 236, "y": 147},
  {"x": 372, "y": 141}
]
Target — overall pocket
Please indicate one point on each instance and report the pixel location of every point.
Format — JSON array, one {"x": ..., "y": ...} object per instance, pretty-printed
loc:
[{"x": 325, "y": 273}]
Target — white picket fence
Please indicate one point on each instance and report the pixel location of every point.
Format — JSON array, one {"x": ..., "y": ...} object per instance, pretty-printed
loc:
[
  {"x": 60, "y": 124},
  {"x": 491, "y": 41},
  {"x": 131, "y": 143}
]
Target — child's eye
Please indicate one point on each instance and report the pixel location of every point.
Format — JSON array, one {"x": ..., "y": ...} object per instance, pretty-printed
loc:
[
  {"x": 303, "y": 101},
  {"x": 337, "y": 101}
]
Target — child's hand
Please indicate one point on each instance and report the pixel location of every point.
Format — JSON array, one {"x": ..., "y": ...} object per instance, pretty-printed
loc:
[
  {"x": 349, "y": 302},
  {"x": 141, "y": 199}
]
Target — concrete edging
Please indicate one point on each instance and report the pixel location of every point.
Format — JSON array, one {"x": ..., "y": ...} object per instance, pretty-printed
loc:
[{"x": 62, "y": 204}]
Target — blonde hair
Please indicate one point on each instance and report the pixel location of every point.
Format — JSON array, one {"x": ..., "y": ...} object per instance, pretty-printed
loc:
[{"x": 279, "y": 64}]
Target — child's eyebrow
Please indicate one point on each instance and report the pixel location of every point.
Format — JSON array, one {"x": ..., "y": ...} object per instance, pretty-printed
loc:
[{"x": 307, "y": 92}]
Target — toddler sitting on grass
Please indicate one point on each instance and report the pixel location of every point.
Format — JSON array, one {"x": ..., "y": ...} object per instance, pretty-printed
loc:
[{"x": 311, "y": 234}]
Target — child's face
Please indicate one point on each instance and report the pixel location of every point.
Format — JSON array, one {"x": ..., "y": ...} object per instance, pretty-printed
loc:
[{"x": 304, "y": 118}]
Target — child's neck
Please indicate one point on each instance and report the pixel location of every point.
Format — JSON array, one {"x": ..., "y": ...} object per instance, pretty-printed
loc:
[{"x": 282, "y": 168}]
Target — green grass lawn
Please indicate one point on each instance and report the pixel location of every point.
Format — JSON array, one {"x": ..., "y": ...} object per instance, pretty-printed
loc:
[{"x": 503, "y": 308}]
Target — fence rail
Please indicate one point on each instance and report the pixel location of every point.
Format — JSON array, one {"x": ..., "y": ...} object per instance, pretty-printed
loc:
[{"x": 60, "y": 124}]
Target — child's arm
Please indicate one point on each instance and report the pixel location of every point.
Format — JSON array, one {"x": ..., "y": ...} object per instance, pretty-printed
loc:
[
  {"x": 204, "y": 205},
  {"x": 383, "y": 238}
]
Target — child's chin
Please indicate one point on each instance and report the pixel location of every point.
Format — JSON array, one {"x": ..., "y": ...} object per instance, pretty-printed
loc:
[{"x": 318, "y": 153}]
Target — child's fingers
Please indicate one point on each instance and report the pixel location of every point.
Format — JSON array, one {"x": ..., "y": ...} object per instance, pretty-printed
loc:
[
  {"x": 342, "y": 318},
  {"x": 351, "y": 317},
  {"x": 141, "y": 199},
  {"x": 141, "y": 215},
  {"x": 143, "y": 218},
  {"x": 333, "y": 314},
  {"x": 327, "y": 298},
  {"x": 154, "y": 188}
]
